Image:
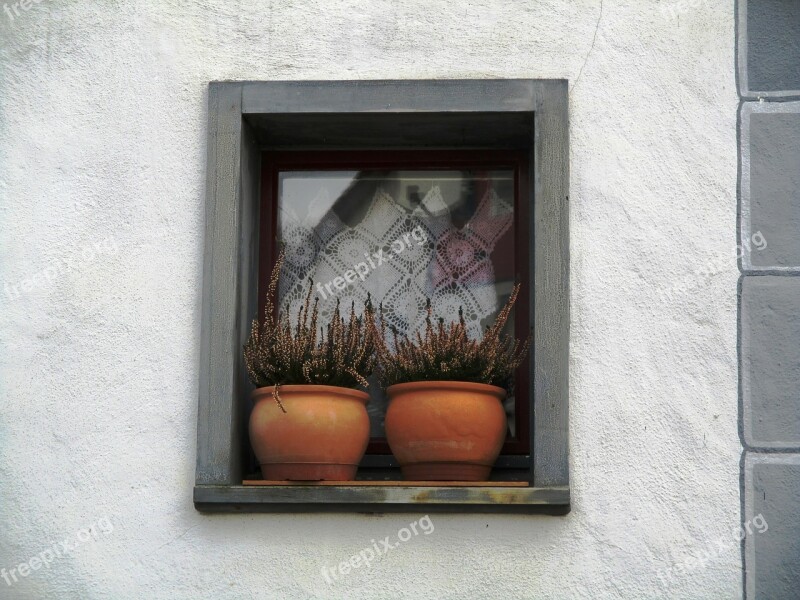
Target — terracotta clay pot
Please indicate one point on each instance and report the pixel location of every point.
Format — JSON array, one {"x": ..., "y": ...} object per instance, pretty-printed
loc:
[
  {"x": 445, "y": 430},
  {"x": 322, "y": 435}
]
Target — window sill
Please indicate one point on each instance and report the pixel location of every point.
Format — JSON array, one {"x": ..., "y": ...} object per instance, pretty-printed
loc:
[{"x": 381, "y": 497}]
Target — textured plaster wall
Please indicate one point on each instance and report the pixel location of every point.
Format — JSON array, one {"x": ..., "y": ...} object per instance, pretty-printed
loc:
[{"x": 102, "y": 163}]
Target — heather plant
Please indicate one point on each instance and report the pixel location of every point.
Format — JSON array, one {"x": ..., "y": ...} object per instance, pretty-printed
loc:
[
  {"x": 445, "y": 352},
  {"x": 342, "y": 353}
]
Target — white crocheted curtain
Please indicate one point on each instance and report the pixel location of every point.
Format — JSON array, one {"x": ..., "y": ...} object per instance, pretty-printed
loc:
[{"x": 398, "y": 256}]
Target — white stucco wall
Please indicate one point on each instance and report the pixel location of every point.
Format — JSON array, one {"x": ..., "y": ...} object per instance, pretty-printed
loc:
[{"x": 102, "y": 141}]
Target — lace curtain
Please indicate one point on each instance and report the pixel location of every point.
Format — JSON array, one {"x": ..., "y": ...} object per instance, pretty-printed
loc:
[{"x": 398, "y": 257}]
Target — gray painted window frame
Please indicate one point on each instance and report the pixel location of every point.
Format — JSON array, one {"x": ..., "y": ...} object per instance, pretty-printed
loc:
[
  {"x": 750, "y": 465},
  {"x": 747, "y": 110},
  {"x": 240, "y": 115},
  {"x": 742, "y": 49}
]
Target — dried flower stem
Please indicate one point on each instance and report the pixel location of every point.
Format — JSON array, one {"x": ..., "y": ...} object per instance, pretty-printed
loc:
[
  {"x": 446, "y": 353},
  {"x": 340, "y": 354}
]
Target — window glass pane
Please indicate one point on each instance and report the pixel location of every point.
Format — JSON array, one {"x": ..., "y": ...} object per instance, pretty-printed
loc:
[{"x": 401, "y": 236}]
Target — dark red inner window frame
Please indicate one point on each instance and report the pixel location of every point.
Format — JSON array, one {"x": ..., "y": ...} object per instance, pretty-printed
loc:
[{"x": 273, "y": 162}]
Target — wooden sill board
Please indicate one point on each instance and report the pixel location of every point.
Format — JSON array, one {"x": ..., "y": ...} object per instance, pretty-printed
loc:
[{"x": 265, "y": 483}]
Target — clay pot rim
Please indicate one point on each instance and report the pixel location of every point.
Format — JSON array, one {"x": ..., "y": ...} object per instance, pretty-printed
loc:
[
  {"x": 412, "y": 386},
  {"x": 329, "y": 390}
]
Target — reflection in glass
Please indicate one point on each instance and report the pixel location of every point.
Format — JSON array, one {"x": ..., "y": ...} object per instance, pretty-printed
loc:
[{"x": 401, "y": 237}]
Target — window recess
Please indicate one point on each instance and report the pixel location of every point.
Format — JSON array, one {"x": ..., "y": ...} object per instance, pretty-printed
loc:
[{"x": 478, "y": 172}]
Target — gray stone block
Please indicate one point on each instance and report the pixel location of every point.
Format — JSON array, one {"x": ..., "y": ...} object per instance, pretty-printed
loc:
[
  {"x": 771, "y": 186},
  {"x": 772, "y": 45},
  {"x": 771, "y": 528},
  {"x": 770, "y": 361}
]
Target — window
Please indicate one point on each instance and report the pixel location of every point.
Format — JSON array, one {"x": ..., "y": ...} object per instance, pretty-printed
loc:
[
  {"x": 411, "y": 225},
  {"x": 469, "y": 178}
]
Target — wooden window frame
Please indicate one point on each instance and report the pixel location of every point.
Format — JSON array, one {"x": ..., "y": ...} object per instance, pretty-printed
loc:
[{"x": 247, "y": 118}]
